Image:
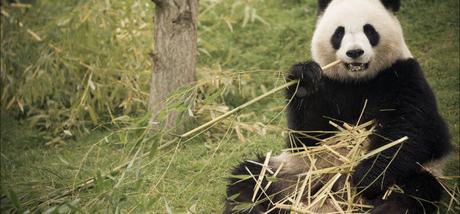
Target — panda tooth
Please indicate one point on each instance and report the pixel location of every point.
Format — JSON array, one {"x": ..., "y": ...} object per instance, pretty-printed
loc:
[{"x": 355, "y": 68}]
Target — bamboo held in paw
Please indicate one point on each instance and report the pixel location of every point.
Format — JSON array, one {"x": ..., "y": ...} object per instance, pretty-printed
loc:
[{"x": 221, "y": 117}]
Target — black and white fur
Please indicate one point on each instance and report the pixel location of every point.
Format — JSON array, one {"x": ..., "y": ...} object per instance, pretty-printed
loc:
[{"x": 378, "y": 67}]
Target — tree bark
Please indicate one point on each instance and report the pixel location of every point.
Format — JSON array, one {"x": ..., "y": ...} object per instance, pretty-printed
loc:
[{"x": 174, "y": 57}]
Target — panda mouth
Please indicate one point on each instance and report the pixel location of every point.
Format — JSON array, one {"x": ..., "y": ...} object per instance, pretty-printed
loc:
[{"x": 356, "y": 66}]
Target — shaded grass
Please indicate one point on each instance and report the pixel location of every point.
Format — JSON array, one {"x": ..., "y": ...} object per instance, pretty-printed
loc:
[{"x": 191, "y": 176}]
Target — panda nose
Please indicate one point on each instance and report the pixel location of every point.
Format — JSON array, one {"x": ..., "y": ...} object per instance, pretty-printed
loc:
[{"x": 355, "y": 53}]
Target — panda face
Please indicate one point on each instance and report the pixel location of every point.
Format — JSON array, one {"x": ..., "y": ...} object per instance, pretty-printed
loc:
[{"x": 364, "y": 35}]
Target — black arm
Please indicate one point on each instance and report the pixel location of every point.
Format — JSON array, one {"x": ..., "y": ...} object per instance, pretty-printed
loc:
[
  {"x": 307, "y": 103},
  {"x": 413, "y": 114}
]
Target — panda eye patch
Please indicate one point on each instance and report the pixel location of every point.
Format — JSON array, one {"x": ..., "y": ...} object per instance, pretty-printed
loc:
[
  {"x": 371, "y": 34},
  {"x": 337, "y": 37}
]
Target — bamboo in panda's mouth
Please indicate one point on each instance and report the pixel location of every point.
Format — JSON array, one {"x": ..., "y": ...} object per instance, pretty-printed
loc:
[{"x": 356, "y": 67}]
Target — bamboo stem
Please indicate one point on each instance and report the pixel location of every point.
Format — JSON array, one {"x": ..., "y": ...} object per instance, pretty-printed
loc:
[
  {"x": 90, "y": 181},
  {"x": 250, "y": 102}
]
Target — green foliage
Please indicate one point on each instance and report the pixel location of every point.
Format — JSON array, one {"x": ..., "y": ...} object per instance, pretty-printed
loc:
[{"x": 69, "y": 64}]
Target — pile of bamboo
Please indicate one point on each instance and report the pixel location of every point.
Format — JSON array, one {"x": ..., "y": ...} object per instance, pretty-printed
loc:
[{"x": 322, "y": 182}]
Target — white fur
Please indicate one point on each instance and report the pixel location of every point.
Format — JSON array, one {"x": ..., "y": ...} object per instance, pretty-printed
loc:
[
  {"x": 435, "y": 167},
  {"x": 353, "y": 15}
]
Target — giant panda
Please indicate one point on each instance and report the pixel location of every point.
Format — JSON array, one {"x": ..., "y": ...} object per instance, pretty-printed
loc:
[{"x": 377, "y": 66}]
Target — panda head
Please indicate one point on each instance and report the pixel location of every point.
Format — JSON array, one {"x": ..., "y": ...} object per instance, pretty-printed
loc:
[{"x": 364, "y": 34}]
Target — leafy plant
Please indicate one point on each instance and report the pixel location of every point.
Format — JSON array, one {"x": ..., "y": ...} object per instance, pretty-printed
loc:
[{"x": 87, "y": 63}]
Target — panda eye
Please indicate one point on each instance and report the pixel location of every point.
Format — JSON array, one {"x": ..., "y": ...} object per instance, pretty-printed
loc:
[
  {"x": 371, "y": 34},
  {"x": 337, "y": 37}
]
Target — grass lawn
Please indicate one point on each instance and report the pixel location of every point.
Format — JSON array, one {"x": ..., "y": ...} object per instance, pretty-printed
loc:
[{"x": 190, "y": 176}]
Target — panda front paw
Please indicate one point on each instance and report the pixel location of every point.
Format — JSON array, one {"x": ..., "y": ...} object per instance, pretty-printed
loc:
[{"x": 308, "y": 73}]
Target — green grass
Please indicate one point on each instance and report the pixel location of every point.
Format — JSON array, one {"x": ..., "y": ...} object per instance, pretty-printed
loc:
[{"x": 190, "y": 175}]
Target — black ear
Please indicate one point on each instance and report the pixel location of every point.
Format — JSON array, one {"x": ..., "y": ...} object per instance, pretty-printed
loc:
[
  {"x": 392, "y": 5},
  {"x": 322, "y": 5}
]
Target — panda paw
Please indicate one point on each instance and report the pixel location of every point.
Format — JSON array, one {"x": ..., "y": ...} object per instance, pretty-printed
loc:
[{"x": 308, "y": 73}]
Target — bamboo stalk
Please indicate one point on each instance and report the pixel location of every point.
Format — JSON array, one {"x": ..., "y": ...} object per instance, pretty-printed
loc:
[
  {"x": 261, "y": 175},
  {"x": 382, "y": 148},
  {"x": 90, "y": 181},
  {"x": 250, "y": 102}
]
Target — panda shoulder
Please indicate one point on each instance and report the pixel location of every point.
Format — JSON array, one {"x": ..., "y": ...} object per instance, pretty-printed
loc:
[
  {"x": 406, "y": 70},
  {"x": 407, "y": 64}
]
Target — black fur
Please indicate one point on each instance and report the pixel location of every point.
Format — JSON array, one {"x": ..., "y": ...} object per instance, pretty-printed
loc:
[
  {"x": 402, "y": 103},
  {"x": 322, "y": 5},
  {"x": 420, "y": 186},
  {"x": 336, "y": 38},
  {"x": 311, "y": 78},
  {"x": 242, "y": 190},
  {"x": 393, "y": 5},
  {"x": 371, "y": 34}
]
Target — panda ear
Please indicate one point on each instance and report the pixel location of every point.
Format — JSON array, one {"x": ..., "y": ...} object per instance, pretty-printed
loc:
[
  {"x": 392, "y": 5},
  {"x": 322, "y": 5}
]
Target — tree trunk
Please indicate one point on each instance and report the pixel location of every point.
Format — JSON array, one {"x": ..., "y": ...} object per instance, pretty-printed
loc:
[{"x": 174, "y": 57}]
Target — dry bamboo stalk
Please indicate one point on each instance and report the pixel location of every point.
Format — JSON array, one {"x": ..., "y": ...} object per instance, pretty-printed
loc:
[
  {"x": 90, "y": 181},
  {"x": 351, "y": 138},
  {"x": 261, "y": 176},
  {"x": 34, "y": 35},
  {"x": 382, "y": 148},
  {"x": 307, "y": 180},
  {"x": 221, "y": 117},
  {"x": 20, "y": 5}
]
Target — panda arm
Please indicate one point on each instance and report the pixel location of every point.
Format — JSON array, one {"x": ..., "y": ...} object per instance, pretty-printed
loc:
[
  {"x": 398, "y": 164},
  {"x": 415, "y": 116},
  {"x": 307, "y": 102},
  {"x": 374, "y": 175}
]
